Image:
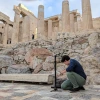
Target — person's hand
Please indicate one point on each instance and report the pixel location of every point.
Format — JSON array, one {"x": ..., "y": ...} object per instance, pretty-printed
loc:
[{"x": 59, "y": 74}]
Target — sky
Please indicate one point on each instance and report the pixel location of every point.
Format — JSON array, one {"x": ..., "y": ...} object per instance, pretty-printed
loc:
[{"x": 52, "y": 7}]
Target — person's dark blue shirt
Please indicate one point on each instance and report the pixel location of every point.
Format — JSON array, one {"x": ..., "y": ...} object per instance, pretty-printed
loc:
[{"x": 76, "y": 67}]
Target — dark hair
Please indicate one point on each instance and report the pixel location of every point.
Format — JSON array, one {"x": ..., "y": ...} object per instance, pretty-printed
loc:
[{"x": 65, "y": 57}]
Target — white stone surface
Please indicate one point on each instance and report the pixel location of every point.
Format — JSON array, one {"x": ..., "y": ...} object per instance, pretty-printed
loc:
[{"x": 45, "y": 78}]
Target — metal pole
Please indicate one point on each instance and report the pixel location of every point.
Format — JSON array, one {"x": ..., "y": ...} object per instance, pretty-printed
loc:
[
  {"x": 55, "y": 78},
  {"x": 55, "y": 88}
]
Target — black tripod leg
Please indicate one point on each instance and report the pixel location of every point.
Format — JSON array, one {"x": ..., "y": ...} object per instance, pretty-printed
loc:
[
  {"x": 55, "y": 78},
  {"x": 55, "y": 88}
]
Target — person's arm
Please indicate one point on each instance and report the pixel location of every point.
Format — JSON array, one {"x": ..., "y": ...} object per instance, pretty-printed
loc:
[
  {"x": 62, "y": 72},
  {"x": 70, "y": 67}
]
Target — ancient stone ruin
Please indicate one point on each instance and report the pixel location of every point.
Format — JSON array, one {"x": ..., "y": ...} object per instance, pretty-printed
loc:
[
  {"x": 28, "y": 44},
  {"x": 26, "y": 26}
]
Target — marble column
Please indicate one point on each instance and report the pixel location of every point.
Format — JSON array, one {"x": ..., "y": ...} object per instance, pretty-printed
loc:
[
  {"x": 26, "y": 29},
  {"x": 31, "y": 30},
  {"x": 5, "y": 36},
  {"x": 65, "y": 16},
  {"x": 55, "y": 32},
  {"x": 60, "y": 23},
  {"x": 79, "y": 22},
  {"x": 49, "y": 29},
  {"x": 87, "y": 15},
  {"x": 15, "y": 34},
  {"x": 76, "y": 26},
  {"x": 72, "y": 21},
  {"x": 40, "y": 27}
]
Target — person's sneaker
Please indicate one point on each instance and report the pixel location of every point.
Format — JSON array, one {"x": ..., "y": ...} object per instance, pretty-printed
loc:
[
  {"x": 74, "y": 90},
  {"x": 82, "y": 88}
]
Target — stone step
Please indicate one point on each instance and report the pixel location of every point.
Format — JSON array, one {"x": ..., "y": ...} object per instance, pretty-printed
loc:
[{"x": 41, "y": 78}]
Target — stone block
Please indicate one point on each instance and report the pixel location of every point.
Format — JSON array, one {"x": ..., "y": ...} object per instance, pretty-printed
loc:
[
  {"x": 87, "y": 50},
  {"x": 21, "y": 57},
  {"x": 35, "y": 62},
  {"x": 43, "y": 78},
  {"x": 38, "y": 68},
  {"x": 48, "y": 66},
  {"x": 84, "y": 45},
  {"x": 79, "y": 51},
  {"x": 9, "y": 51},
  {"x": 97, "y": 79},
  {"x": 69, "y": 41},
  {"x": 21, "y": 51},
  {"x": 82, "y": 40},
  {"x": 60, "y": 67},
  {"x": 93, "y": 39},
  {"x": 50, "y": 59},
  {"x": 5, "y": 61},
  {"x": 18, "y": 69},
  {"x": 76, "y": 46},
  {"x": 39, "y": 52},
  {"x": 16, "y": 58}
]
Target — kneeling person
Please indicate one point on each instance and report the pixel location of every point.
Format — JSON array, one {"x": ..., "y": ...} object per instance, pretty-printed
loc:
[{"x": 75, "y": 73}]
